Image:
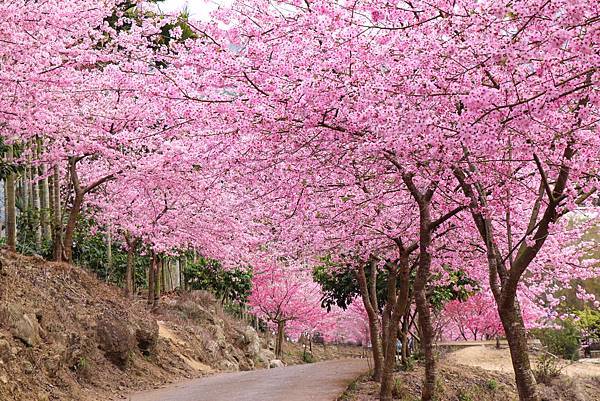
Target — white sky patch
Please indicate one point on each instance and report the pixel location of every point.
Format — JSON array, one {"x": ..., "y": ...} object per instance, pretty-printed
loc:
[{"x": 198, "y": 9}]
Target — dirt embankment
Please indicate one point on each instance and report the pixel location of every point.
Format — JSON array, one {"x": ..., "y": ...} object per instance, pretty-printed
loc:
[{"x": 66, "y": 336}]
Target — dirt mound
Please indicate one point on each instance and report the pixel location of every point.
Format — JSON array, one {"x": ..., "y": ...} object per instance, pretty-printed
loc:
[{"x": 64, "y": 335}]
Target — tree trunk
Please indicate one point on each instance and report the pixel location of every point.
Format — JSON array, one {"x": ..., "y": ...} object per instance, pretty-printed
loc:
[
  {"x": 35, "y": 193},
  {"x": 421, "y": 299},
  {"x": 397, "y": 303},
  {"x": 24, "y": 190},
  {"x": 373, "y": 316},
  {"x": 157, "y": 282},
  {"x": 426, "y": 329},
  {"x": 11, "y": 205},
  {"x": 406, "y": 319},
  {"x": 56, "y": 215},
  {"x": 109, "y": 254},
  {"x": 44, "y": 190},
  {"x": 512, "y": 321},
  {"x": 390, "y": 336},
  {"x": 279, "y": 342},
  {"x": 151, "y": 278},
  {"x": 71, "y": 225},
  {"x": 129, "y": 274}
]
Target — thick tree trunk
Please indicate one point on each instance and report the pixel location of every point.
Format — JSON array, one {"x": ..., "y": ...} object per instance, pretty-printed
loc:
[
  {"x": 397, "y": 303},
  {"x": 11, "y": 206},
  {"x": 424, "y": 320},
  {"x": 279, "y": 341},
  {"x": 369, "y": 301},
  {"x": 390, "y": 336},
  {"x": 389, "y": 361},
  {"x": 512, "y": 321},
  {"x": 421, "y": 299},
  {"x": 71, "y": 225}
]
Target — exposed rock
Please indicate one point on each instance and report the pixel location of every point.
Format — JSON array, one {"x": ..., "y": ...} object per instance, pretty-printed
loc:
[
  {"x": 252, "y": 342},
  {"x": 276, "y": 363},
  {"x": 211, "y": 348},
  {"x": 228, "y": 365},
  {"x": 23, "y": 326},
  {"x": 265, "y": 356},
  {"x": 219, "y": 335},
  {"x": 247, "y": 364},
  {"x": 146, "y": 336},
  {"x": 73, "y": 349},
  {"x": 27, "y": 367},
  {"x": 115, "y": 339}
]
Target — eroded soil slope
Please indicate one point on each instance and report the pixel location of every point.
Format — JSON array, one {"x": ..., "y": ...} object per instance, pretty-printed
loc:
[{"x": 65, "y": 336}]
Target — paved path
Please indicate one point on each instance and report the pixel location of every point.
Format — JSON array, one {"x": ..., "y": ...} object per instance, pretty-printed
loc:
[{"x": 323, "y": 381}]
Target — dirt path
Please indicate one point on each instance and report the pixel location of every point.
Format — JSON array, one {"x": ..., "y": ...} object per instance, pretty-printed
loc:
[
  {"x": 322, "y": 381},
  {"x": 489, "y": 358}
]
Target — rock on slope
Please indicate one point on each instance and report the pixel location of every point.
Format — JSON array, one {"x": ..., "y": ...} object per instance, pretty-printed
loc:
[{"x": 64, "y": 335}]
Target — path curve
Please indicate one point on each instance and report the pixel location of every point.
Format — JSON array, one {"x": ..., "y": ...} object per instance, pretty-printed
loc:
[{"x": 323, "y": 381}]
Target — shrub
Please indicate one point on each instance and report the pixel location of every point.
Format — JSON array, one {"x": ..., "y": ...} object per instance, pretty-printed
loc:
[
  {"x": 491, "y": 385},
  {"x": 229, "y": 285},
  {"x": 307, "y": 357},
  {"x": 589, "y": 323},
  {"x": 398, "y": 390},
  {"x": 547, "y": 368},
  {"x": 563, "y": 341},
  {"x": 465, "y": 397},
  {"x": 409, "y": 365}
]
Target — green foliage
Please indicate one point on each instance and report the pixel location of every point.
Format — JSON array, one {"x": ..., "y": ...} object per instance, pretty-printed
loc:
[
  {"x": 127, "y": 14},
  {"x": 399, "y": 391},
  {"x": 409, "y": 365},
  {"x": 563, "y": 341},
  {"x": 308, "y": 357},
  {"x": 8, "y": 168},
  {"x": 340, "y": 285},
  {"x": 589, "y": 323},
  {"x": 90, "y": 249},
  {"x": 456, "y": 289},
  {"x": 465, "y": 397},
  {"x": 227, "y": 285},
  {"x": 27, "y": 224},
  {"x": 491, "y": 385}
]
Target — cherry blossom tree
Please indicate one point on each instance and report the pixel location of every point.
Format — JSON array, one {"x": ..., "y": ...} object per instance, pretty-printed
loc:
[{"x": 288, "y": 299}]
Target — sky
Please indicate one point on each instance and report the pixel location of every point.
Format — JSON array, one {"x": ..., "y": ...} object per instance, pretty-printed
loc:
[{"x": 199, "y": 9}]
